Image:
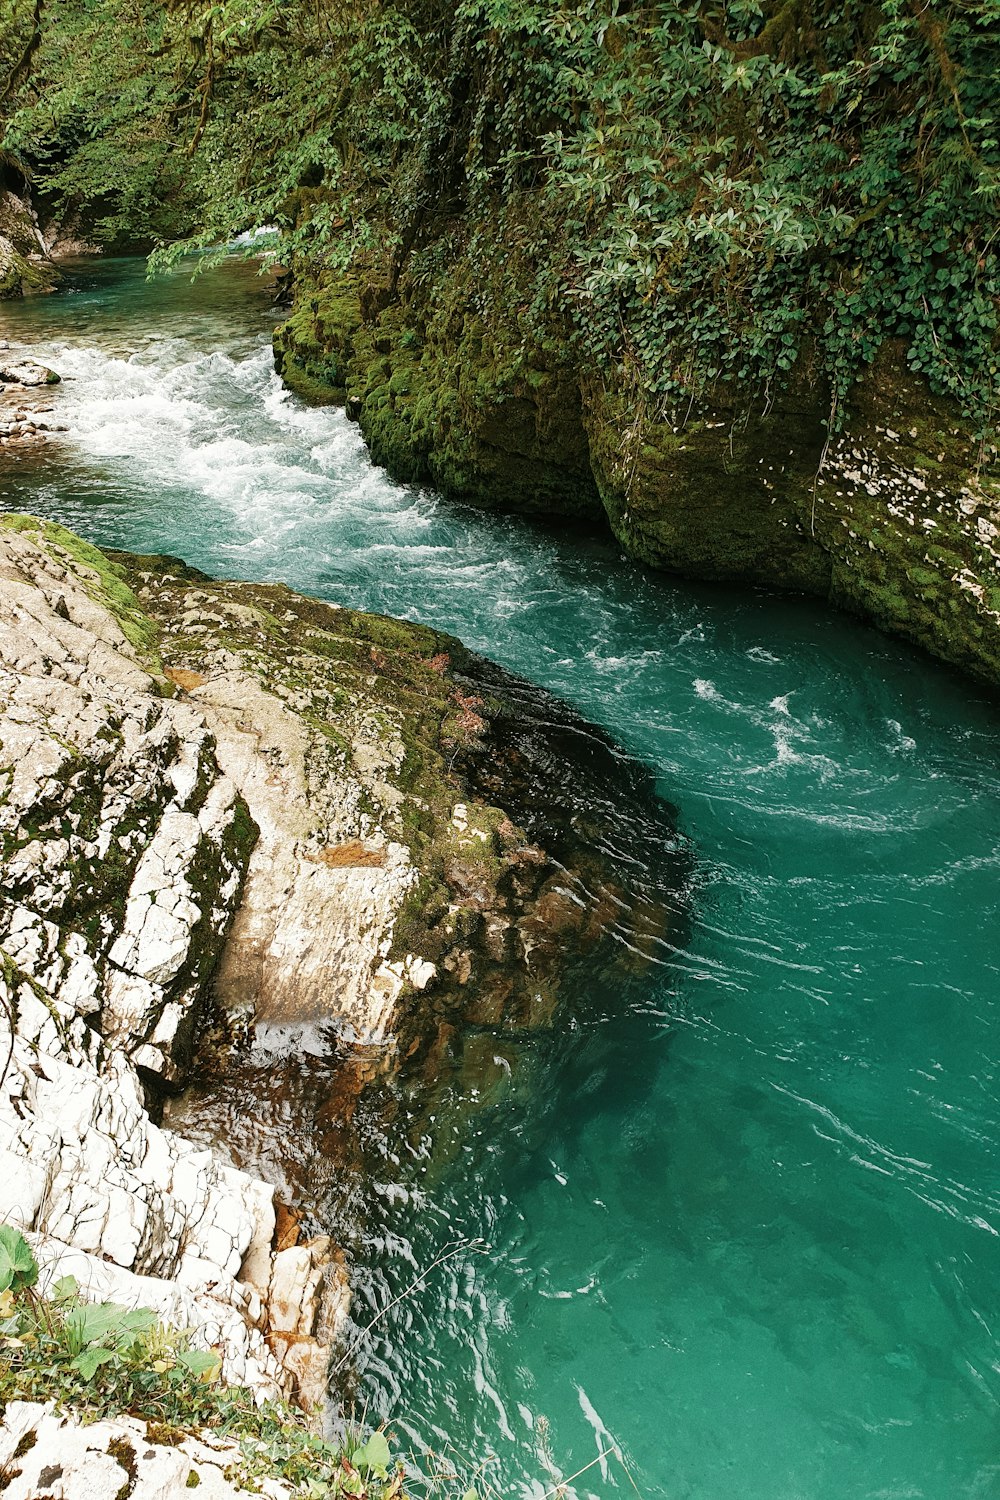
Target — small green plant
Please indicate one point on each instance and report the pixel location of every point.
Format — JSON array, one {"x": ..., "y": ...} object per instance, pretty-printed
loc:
[
  {"x": 98, "y": 1359},
  {"x": 18, "y": 1268},
  {"x": 90, "y": 1353}
]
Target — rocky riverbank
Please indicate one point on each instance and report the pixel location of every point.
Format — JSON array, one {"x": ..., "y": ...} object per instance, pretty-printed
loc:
[
  {"x": 228, "y": 809},
  {"x": 124, "y": 851}
]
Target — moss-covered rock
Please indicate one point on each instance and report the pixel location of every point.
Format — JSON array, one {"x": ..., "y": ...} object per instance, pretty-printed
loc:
[
  {"x": 446, "y": 397},
  {"x": 314, "y": 346},
  {"x": 896, "y": 517},
  {"x": 19, "y": 275},
  {"x": 717, "y": 495},
  {"x": 24, "y": 264},
  {"x": 907, "y": 507}
]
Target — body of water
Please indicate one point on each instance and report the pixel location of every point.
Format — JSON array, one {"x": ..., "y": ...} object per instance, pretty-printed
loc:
[{"x": 745, "y": 1231}]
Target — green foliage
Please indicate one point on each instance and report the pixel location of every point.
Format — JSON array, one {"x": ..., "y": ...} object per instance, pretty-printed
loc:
[
  {"x": 17, "y": 1264},
  {"x": 20, "y": 34},
  {"x": 95, "y": 1355},
  {"x": 99, "y": 1360},
  {"x": 694, "y": 193}
]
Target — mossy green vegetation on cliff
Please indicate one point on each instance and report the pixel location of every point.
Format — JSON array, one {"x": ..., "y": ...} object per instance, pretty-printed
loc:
[
  {"x": 685, "y": 267},
  {"x": 105, "y": 581},
  {"x": 694, "y": 188}
]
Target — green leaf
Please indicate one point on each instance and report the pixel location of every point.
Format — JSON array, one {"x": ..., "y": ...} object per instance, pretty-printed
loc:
[
  {"x": 203, "y": 1362},
  {"x": 138, "y": 1320},
  {"x": 18, "y": 1267},
  {"x": 374, "y": 1455},
  {"x": 92, "y": 1322},
  {"x": 90, "y": 1361}
]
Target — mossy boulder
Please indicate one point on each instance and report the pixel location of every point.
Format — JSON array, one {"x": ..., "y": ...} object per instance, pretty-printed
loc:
[
  {"x": 446, "y": 397},
  {"x": 19, "y": 275},
  {"x": 716, "y": 494}
]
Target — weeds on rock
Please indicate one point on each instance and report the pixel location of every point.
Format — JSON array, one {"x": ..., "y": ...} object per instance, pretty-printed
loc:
[{"x": 97, "y": 1360}]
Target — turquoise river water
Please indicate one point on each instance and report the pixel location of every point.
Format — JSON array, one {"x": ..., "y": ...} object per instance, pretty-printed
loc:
[{"x": 748, "y": 1234}]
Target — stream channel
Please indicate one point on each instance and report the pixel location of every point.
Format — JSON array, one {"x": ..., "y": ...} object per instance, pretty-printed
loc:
[{"x": 746, "y": 1228}]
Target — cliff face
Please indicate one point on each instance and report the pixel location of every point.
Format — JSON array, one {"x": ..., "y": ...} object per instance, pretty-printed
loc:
[
  {"x": 124, "y": 847},
  {"x": 444, "y": 397},
  {"x": 895, "y": 517}
]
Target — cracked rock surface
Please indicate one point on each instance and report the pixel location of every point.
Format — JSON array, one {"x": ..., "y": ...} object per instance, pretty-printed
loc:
[
  {"x": 43, "y": 1453},
  {"x": 224, "y": 806},
  {"x": 232, "y": 815},
  {"x": 126, "y": 843}
]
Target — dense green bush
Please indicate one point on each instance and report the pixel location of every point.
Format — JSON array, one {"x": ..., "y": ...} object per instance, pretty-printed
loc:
[{"x": 700, "y": 190}]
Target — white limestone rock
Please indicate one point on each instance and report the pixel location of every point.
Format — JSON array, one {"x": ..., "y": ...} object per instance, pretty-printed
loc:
[
  {"x": 123, "y": 848},
  {"x": 45, "y": 1454}
]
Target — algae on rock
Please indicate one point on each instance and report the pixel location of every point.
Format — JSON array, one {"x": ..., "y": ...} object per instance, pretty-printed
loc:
[{"x": 474, "y": 406}]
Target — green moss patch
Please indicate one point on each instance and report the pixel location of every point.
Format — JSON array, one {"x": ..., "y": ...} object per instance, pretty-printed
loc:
[{"x": 103, "y": 579}]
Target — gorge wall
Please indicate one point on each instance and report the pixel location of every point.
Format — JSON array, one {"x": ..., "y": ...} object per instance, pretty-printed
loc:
[
  {"x": 895, "y": 516},
  {"x": 728, "y": 283}
]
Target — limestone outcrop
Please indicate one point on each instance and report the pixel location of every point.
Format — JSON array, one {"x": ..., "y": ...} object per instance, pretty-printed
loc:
[
  {"x": 124, "y": 848},
  {"x": 46, "y": 1453},
  {"x": 225, "y": 807},
  {"x": 896, "y": 517}
]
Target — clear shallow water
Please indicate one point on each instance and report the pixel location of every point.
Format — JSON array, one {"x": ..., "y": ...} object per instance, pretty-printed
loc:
[{"x": 748, "y": 1228}]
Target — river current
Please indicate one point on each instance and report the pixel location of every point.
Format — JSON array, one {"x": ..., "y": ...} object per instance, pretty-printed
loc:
[{"x": 748, "y": 1235}]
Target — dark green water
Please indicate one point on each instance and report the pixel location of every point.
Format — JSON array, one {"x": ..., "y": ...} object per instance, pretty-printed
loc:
[{"x": 746, "y": 1227}]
